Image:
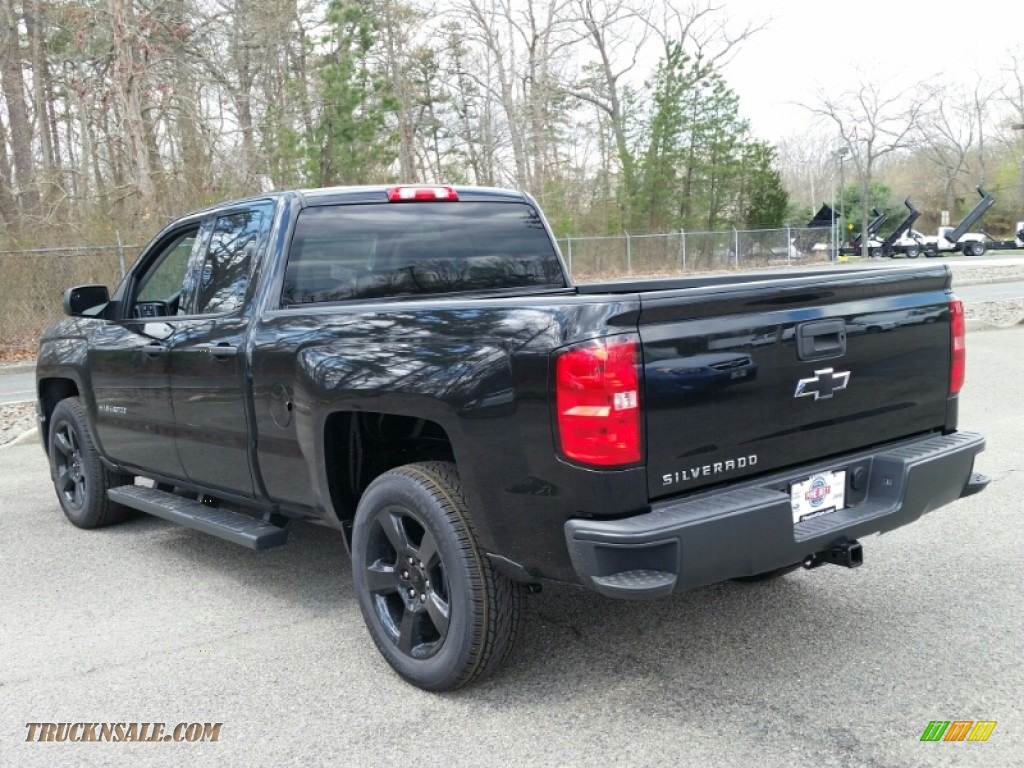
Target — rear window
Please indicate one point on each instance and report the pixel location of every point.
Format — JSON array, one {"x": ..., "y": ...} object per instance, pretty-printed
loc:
[{"x": 347, "y": 252}]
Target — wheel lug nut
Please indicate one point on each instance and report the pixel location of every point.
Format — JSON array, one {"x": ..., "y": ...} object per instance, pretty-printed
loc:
[
  {"x": 412, "y": 593},
  {"x": 410, "y": 560},
  {"x": 423, "y": 598},
  {"x": 421, "y": 563},
  {"x": 427, "y": 585},
  {"x": 405, "y": 574}
]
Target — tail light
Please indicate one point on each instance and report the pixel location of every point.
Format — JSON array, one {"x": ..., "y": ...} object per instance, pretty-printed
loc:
[
  {"x": 958, "y": 334},
  {"x": 597, "y": 398}
]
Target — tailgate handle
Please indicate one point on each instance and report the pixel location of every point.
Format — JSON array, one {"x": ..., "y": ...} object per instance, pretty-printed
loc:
[{"x": 821, "y": 339}]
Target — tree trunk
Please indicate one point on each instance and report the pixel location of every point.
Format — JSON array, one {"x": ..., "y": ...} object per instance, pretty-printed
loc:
[
  {"x": 242, "y": 44},
  {"x": 128, "y": 75},
  {"x": 86, "y": 154},
  {"x": 396, "y": 44},
  {"x": 865, "y": 205},
  {"x": 13, "y": 82},
  {"x": 8, "y": 205},
  {"x": 40, "y": 82}
]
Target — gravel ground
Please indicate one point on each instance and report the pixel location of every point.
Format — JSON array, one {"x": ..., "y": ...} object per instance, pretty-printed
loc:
[
  {"x": 16, "y": 419},
  {"x": 1001, "y": 313},
  {"x": 970, "y": 275}
]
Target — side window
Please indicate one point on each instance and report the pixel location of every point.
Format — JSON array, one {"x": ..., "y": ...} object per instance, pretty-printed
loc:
[
  {"x": 159, "y": 289},
  {"x": 328, "y": 269},
  {"x": 224, "y": 278}
]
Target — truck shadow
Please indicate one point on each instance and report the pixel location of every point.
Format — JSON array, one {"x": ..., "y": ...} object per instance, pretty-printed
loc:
[
  {"x": 711, "y": 643},
  {"x": 312, "y": 569}
]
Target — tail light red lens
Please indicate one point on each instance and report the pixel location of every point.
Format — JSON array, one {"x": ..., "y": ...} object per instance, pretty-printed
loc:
[
  {"x": 597, "y": 397},
  {"x": 958, "y": 335}
]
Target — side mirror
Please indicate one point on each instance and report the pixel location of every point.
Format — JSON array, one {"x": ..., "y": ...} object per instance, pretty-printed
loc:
[{"x": 85, "y": 300}]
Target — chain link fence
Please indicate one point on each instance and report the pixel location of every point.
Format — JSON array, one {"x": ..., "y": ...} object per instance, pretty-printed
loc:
[
  {"x": 32, "y": 283},
  {"x": 32, "y": 287},
  {"x": 677, "y": 253}
]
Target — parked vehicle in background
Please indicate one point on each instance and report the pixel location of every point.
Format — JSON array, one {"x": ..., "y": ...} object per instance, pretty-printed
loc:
[
  {"x": 879, "y": 218},
  {"x": 903, "y": 240},
  {"x": 1013, "y": 244},
  {"x": 959, "y": 240}
]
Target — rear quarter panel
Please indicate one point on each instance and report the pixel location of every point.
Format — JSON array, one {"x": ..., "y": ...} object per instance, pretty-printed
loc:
[{"x": 479, "y": 368}]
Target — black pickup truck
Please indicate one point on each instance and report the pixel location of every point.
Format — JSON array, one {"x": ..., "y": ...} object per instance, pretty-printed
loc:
[{"x": 413, "y": 367}]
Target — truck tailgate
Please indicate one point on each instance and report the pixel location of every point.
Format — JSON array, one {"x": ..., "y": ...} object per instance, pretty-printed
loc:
[{"x": 745, "y": 378}]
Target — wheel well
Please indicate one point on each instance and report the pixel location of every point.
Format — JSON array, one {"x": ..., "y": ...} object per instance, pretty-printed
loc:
[
  {"x": 359, "y": 446},
  {"x": 51, "y": 392}
]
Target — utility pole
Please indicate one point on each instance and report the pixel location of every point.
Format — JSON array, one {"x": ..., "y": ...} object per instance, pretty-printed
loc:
[
  {"x": 1020, "y": 127},
  {"x": 842, "y": 187},
  {"x": 837, "y": 239}
]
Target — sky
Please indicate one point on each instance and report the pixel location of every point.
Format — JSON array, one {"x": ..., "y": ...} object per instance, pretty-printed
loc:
[{"x": 810, "y": 44}]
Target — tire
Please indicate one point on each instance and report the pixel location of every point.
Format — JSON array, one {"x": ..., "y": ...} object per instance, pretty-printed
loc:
[
  {"x": 759, "y": 578},
  {"x": 79, "y": 476},
  {"x": 435, "y": 606},
  {"x": 912, "y": 251},
  {"x": 974, "y": 248}
]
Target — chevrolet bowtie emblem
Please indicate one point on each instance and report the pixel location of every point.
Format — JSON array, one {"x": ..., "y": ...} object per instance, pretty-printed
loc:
[{"x": 823, "y": 384}]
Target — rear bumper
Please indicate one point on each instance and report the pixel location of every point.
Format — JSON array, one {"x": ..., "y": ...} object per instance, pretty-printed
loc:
[{"x": 748, "y": 528}]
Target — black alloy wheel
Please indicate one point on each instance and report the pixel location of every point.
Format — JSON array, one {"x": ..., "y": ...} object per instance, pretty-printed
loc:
[
  {"x": 79, "y": 476},
  {"x": 437, "y": 609},
  {"x": 407, "y": 581},
  {"x": 70, "y": 480}
]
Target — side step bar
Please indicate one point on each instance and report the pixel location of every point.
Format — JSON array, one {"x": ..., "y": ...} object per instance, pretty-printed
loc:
[{"x": 231, "y": 526}]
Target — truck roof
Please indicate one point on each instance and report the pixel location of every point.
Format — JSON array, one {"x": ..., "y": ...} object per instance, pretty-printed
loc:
[{"x": 376, "y": 193}]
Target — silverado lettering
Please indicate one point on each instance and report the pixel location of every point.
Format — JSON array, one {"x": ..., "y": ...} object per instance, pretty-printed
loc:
[
  {"x": 413, "y": 368},
  {"x": 693, "y": 473}
]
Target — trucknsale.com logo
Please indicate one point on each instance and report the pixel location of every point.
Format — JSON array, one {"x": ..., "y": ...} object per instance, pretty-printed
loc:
[
  {"x": 123, "y": 732},
  {"x": 958, "y": 730}
]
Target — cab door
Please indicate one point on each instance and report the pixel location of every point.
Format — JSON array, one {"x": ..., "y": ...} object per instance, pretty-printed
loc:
[
  {"x": 209, "y": 363},
  {"x": 129, "y": 360}
]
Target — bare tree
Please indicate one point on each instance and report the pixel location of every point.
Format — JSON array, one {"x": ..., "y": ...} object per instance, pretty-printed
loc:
[
  {"x": 617, "y": 32},
  {"x": 130, "y": 72},
  {"x": 872, "y": 123},
  {"x": 1013, "y": 96},
  {"x": 806, "y": 163},
  {"x": 20, "y": 132},
  {"x": 948, "y": 133},
  {"x": 1012, "y": 90},
  {"x": 704, "y": 28},
  {"x": 8, "y": 205}
]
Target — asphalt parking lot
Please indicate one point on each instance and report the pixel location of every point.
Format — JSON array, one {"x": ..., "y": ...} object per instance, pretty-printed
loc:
[{"x": 154, "y": 623}]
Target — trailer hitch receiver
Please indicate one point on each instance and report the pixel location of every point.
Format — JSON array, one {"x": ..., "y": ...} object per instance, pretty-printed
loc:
[{"x": 849, "y": 554}]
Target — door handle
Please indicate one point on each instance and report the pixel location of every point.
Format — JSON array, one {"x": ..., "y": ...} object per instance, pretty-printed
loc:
[
  {"x": 220, "y": 351},
  {"x": 155, "y": 349}
]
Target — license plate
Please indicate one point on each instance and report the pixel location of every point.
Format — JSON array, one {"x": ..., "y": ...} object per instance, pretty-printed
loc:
[
  {"x": 739, "y": 374},
  {"x": 818, "y": 495}
]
